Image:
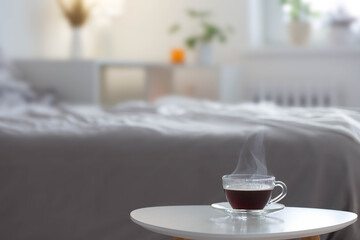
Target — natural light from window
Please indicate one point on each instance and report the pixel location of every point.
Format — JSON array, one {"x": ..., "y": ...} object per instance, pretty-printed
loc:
[
  {"x": 311, "y": 22},
  {"x": 326, "y": 6}
]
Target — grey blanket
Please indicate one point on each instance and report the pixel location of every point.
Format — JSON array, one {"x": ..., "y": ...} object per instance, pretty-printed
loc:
[{"x": 75, "y": 173}]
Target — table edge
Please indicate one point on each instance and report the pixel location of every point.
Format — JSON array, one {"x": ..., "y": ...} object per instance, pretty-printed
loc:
[{"x": 204, "y": 236}]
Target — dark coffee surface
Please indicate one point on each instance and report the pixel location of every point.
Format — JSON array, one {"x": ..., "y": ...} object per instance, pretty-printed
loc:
[{"x": 248, "y": 199}]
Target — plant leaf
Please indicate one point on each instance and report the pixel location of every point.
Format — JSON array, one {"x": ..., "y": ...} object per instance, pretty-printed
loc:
[
  {"x": 174, "y": 28},
  {"x": 222, "y": 38},
  {"x": 198, "y": 14},
  {"x": 204, "y": 14},
  {"x": 191, "y": 42},
  {"x": 209, "y": 31},
  {"x": 283, "y": 2},
  {"x": 192, "y": 13}
]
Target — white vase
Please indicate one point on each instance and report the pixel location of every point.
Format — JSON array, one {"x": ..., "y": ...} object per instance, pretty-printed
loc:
[
  {"x": 205, "y": 54},
  {"x": 298, "y": 32},
  {"x": 341, "y": 35},
  {"x": 76, "y": 43}
]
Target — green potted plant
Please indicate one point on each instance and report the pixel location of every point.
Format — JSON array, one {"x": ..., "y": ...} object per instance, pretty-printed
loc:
[
  {"x": 298, "y": 14},
  {"x": 203, "y": 39}
]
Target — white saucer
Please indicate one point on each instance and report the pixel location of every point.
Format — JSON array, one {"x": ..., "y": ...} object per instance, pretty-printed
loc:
[{"x": 225, "y": 206}]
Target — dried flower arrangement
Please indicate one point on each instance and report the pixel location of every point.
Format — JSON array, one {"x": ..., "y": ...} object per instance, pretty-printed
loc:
[{"x": 77, "y": 12}]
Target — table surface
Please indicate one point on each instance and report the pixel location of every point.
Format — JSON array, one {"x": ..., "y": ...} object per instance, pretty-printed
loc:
[{"x": 205, "y": 222}]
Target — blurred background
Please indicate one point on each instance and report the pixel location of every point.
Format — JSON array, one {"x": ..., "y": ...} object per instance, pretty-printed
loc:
[{"x": 290, "y": 52}]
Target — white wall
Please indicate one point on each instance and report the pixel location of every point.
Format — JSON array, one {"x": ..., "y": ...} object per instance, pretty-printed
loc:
[
  {"x": 27, "y": 26},
  {"x": 36, "y": 28}
]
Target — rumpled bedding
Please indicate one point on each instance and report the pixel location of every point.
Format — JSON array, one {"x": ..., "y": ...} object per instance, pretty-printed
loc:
[
  {"x": 14, "y": 91},
  {"x": 162, "y": 115},
  {"x": 76, "y": 172}
]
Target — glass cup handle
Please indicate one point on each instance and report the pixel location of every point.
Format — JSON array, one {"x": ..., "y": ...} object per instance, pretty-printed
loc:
[{"x": 282, "y": 194}]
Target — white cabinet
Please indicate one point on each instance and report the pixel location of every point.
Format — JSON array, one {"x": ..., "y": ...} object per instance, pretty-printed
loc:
[
  {"x": 83, "y": 81},
  {"x": 72, "y": 81}
]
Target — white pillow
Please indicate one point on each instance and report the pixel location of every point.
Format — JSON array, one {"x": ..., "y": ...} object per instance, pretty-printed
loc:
[{"x": 12, "y": 89}]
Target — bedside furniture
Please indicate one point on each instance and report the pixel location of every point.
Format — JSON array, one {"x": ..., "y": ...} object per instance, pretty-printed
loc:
[
  {"x": 204, "y": 222},
  {"x": 81, "y": 81}
]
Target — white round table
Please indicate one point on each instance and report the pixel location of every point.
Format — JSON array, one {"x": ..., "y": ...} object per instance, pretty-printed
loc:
[{"x": 205, "y": 222}]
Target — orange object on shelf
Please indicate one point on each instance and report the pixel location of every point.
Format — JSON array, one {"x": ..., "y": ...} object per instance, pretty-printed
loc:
[{"x": 177, "y": 55}]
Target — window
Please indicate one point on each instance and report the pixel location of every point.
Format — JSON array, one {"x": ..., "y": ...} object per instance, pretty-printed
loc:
[
  {"x": 271, "y": 21},
  {"x": 328, "y": 6}
]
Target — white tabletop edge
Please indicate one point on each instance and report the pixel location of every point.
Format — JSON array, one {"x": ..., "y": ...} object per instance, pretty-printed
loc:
[
  {"x": 204, "y": 236},
  {"x": 200, "y": 236}
]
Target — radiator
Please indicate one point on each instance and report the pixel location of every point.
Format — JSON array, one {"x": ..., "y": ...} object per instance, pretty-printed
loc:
[{"x": 301, "y": 92}]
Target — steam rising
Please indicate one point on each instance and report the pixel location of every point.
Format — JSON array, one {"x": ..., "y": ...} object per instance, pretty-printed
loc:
[{"x": 252, "y": 155}]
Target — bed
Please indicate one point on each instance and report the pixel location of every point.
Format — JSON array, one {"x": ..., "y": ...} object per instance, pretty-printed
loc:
[{"x": 75, "y": 172}]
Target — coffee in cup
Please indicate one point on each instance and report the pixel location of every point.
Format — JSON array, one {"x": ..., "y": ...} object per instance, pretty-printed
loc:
[{"x": 251, "y": 192}]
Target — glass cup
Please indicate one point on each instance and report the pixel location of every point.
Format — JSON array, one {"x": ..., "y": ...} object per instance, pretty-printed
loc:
[{"x": 251, "y": 192}]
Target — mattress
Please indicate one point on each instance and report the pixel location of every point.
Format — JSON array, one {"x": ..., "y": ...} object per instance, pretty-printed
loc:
[{"x": 76, "y": 172}]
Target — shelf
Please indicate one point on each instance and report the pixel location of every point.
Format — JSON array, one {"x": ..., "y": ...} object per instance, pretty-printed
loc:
[
  {"x": 306, "y": 51},
  {"x": 103, "y": 62}
]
